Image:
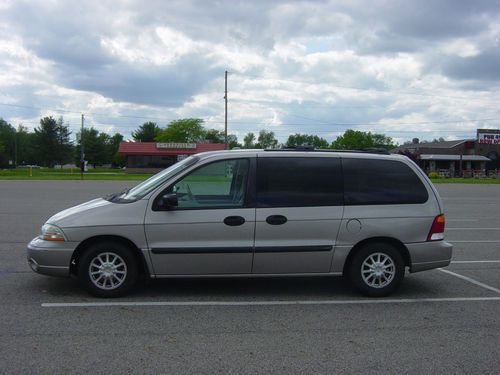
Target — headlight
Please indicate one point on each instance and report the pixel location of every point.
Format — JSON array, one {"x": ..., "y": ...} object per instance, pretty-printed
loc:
[{"x": 51, "y": 232}]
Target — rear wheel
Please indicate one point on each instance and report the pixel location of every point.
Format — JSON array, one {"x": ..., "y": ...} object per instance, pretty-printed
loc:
[
  {"x": 108, "y": 269},
  {"x": 377, "y": 269}
]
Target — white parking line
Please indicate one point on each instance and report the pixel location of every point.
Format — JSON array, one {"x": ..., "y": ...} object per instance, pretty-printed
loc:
[
  {"x": 472, "y": 228},
  {"x": 471, "y": 200},
  {"x": 473, "y": 241},
  {"x": 270, "y": 303},
  {"x": 470, "y": 280},
  {"x": 474, "y": 261}
]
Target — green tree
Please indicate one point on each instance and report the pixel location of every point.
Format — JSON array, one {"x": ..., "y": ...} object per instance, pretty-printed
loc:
[
  {"x": 382, "y": 141},
  {"x": 147, "y": 132},
  {"x": 46, "y": 141},
  {"x": 217, "y": 136},
  {"x": 232, "y": 141},
  {"x": 7, "y": 143},
  {"x": 26, "y": 146},
  {"x": 214, "y": 136},
  {"x": 64, "y": 148},
  {"x": 249, "y": 140},
  {"x": 266, "y": 139},
  {"x": 296, "y": 140},
  {"x": 94, "y": 147},
  {"x": 188, "y": 130},
  {"x": 435, "y": 140},
  {"x": 99, "y": 148},
  {"x": 103, "y": 154},
  {"x": 52, "y": 142},
  {"x": 359, "y": 140},
  {"x": 113, "y": 145}
]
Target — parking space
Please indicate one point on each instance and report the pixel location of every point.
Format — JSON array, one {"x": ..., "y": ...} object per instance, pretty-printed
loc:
[{"x": 441, "y": 320}]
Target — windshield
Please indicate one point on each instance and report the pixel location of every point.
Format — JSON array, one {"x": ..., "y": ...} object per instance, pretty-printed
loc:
[{"x": 141, "y": 190}]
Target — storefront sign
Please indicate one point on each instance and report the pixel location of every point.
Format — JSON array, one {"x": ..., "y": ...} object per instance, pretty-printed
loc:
[
  {"x": 488, "y": 137},
  {"x": 172, "y": 145}
]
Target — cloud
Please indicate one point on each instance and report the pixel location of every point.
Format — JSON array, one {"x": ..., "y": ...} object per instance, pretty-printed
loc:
[
  {"x": 169, "y": 85},
  {"x": 483, "y": 67},
  {"x": 294, "y": 65}
]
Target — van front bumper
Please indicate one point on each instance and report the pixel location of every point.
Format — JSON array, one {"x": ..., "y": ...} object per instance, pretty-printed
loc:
[
  {"x": 429, "y": 255},
  {"x": 50, "y": 257}
]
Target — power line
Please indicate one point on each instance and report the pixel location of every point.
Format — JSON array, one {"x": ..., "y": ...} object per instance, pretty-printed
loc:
[
  {"x": 333, "y": 132},
  {"x": 105, "y": 115},
  {"x": 86, "y": 112},
  {"x": 244, "y": 125},
  {"x": 286, "y": 128},
  {"x": 323, "y": 122},
  {"x": 386, "y": 91}
]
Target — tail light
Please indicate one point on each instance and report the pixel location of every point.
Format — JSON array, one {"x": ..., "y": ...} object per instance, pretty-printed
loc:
[{"x": 437, "y": 229}]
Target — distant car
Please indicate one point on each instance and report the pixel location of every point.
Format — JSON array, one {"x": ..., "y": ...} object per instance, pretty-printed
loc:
[
  {"x": 28, "y": 166},
  {"x": 254, "y": 212}
]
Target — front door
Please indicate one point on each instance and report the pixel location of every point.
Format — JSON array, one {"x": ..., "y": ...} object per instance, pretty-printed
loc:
[
  {"x": 299, "y": 211},
  {"x": 211, "y": 231}
]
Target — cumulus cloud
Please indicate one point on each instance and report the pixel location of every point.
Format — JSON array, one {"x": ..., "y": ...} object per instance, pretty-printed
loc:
[
  {"x": 484, "y": 66},
  {"x": 295, "y": 66}
]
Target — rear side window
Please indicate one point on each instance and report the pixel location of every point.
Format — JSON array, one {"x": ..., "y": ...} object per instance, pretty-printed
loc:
[
  {"x": 368, "y": 181},
  {"x": 299, "y": 182}
]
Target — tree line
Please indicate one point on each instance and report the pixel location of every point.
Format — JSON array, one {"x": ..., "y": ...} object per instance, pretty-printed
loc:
[
  {"x": 192, "y": 130},
  {"x": 51, "y": 144}
]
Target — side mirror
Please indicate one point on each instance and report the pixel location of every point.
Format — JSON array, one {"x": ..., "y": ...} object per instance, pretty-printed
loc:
[{"x": 167, "y": 201}]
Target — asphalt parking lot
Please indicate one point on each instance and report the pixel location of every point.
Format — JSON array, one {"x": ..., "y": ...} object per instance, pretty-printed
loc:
[{"x": 440, "y": 321}]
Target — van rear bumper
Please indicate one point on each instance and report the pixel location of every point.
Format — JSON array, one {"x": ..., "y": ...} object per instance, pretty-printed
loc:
[{"x": 428, "y": 255}]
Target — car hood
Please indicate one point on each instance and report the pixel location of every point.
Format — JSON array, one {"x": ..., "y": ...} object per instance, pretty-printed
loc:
[{"x": 100, "y": 212}]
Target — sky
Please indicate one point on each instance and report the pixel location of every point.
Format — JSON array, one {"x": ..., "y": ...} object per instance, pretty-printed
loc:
[{"x": 406, "y": 68}]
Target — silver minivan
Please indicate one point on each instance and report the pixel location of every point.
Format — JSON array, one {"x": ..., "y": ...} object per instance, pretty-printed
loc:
[{"x": 254, "y": 213}]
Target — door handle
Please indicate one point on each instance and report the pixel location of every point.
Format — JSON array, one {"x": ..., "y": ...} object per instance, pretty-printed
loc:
[
  {"x": 234, "y": 221},
  {"x": 276, "y": 219}
]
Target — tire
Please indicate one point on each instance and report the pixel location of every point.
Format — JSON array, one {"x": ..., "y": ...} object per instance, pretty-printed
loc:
[
  {"x": 377, "y": 269},
  {"x": 108, "y": 269}
]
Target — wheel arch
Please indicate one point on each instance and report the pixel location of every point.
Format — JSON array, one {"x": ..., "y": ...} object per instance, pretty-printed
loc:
[
  {"x": 80, "y": 249},
  {"x": 403, "y": 250}
]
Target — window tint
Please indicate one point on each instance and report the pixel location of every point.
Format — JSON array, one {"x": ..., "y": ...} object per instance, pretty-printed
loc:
[
  {"x": 220, "y": 184},
  {"x": 298, "y": 182},
  {"x": 368, "y": 181}
]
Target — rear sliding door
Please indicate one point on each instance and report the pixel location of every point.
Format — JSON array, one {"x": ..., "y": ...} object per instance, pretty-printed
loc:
[{"x": 299, "y": 211}]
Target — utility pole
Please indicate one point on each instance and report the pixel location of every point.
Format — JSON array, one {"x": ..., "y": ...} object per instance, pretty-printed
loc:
[
  {"x": 225, "y": 109},
  {"x": 82, "y": 155}
]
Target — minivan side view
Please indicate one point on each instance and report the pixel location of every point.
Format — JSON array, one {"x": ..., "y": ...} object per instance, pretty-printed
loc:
[{"x": 254, "y": 213}]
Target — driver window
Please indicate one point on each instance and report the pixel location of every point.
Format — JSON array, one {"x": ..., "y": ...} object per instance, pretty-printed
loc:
[{"x": 221, "y": 184}]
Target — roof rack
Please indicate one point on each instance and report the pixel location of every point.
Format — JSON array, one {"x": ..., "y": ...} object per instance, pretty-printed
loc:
[{"x": 382, "y": 151}]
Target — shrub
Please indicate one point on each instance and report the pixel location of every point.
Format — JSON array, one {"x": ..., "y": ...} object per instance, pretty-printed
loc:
[{"x": 433, "y": 175}]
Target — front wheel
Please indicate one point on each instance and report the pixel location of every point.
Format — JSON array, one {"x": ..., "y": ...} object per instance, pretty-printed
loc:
[
  {"x": 377, "y": 269},
  {"x": 108, "y": 269}
]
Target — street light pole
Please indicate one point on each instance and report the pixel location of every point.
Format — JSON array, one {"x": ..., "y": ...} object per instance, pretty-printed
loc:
[
  {"x": 82, "y": 155},
  {"x": 225, "y": 110}
]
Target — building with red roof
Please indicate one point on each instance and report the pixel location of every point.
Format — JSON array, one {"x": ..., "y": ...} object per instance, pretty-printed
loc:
[{"x": 153, "y": 156}]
